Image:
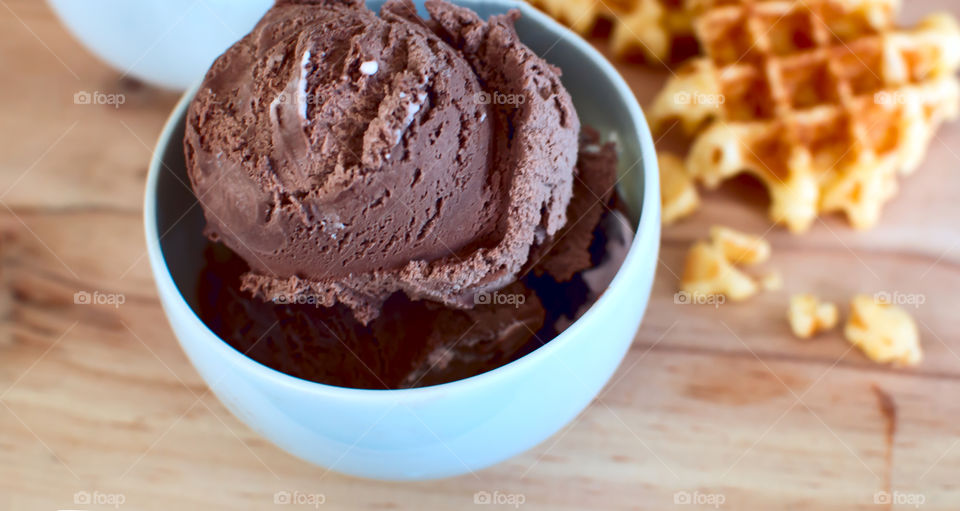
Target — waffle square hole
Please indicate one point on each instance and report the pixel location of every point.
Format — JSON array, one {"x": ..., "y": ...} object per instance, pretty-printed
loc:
[
  {"x": 828, "y": 136},
  {"x": 726, "y": 37},
  {"x": 845, "y": 26},
  {"x": 772, "y": 153},
  {"x": 861, "y": 65},
  {"x": 808, "y": 82},
  {"x": 882, "y": 125},
  {"x": 746, "y": 95},
  {"x": 707, "y": 4},
  {"x": 791, "y": 33}
]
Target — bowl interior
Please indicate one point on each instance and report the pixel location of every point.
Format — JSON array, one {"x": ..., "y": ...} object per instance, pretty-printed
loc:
[{"x": 601, "y": 98}]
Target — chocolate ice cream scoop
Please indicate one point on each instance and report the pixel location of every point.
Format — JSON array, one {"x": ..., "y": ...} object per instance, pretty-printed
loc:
[{"x": 346, "y": 156}]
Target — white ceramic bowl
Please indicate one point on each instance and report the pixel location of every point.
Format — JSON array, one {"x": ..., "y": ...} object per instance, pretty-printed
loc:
[
  {"x": 169, "y": 43},
  {"x": 446, "y": 429}
]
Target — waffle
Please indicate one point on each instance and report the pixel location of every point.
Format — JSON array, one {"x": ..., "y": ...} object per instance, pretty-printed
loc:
[
  {"x": 824, "y": 109},
  {"x": 662, "y": 30},
  {"x": 579, "y": 15}
]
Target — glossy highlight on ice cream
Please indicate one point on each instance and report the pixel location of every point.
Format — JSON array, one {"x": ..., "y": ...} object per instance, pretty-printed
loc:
[{"x": 347, "y": 156}]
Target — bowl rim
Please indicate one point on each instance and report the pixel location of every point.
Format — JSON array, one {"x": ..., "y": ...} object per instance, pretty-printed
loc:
[{"x": 648, "y": 225}]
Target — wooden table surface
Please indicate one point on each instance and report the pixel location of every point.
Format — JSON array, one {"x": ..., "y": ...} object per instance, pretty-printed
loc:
[{"x": 720, "y": 403}]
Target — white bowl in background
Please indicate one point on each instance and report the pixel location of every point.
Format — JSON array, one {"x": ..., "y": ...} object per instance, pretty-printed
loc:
[
  {"x": 448, "y": 429},
  {"x": 168, "y": 43}
]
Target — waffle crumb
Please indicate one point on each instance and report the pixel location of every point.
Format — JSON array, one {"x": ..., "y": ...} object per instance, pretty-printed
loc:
[
  {"x": 809, "y": 316},
  {"x": 711, "y": 267},
  {"x": 740, "y": 247},
  {"x": 678, "y": 193},
  {"x": 884, "y": 332},
  {"x": 708, "y": 272}
]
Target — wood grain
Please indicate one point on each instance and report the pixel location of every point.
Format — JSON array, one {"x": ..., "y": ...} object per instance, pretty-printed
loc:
[{"x": 709, "y": 401}]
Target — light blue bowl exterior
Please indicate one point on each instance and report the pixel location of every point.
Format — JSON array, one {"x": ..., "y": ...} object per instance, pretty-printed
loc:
[{"x": 459, "y": 427}]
